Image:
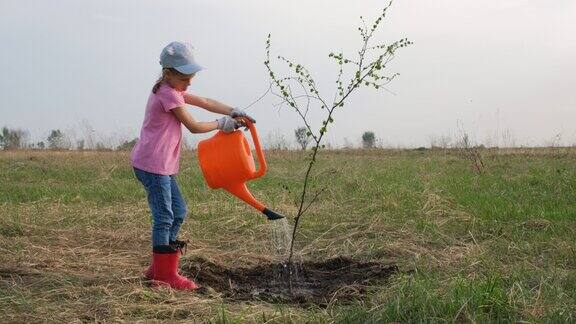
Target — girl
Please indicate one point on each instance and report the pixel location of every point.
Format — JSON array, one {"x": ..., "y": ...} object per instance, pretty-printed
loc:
[{"x": 155, "y": 158}]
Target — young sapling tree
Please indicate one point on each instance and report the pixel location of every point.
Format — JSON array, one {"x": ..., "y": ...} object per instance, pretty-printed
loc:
[{"x": 299, "y": 91}]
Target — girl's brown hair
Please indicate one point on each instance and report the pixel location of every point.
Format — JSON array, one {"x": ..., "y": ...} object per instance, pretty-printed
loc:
[{"x": 165, "y": 72}]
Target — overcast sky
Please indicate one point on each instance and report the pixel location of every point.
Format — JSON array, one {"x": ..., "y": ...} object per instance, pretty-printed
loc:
[{"x": 501, "y": 70}]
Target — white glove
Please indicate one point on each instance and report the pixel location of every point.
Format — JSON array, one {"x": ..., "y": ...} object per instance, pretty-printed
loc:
[
  {"x": 240, "y": 113},
  {"x": 227, "y": 124}
]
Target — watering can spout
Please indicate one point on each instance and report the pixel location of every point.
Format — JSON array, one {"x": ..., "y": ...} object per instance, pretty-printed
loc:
[
  {"x": 241, "y": 191},
  {"x": 272, "y": 215}
]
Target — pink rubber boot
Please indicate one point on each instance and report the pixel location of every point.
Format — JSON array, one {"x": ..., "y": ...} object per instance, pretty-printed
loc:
[{"x": 164, "y": 269}]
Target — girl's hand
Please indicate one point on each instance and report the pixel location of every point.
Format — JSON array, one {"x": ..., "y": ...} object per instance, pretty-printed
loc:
[
  {"x": 239, "y": 113},
  {"x": 228, "y": 124}
]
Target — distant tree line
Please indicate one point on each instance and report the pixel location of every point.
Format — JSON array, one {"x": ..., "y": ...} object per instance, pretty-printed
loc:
[
  {"x": 277, "y": 142},
  {"x": 17, "y": 138},
  {"x": 11, "y": 139},
  {"x": 368, "y": 138}
]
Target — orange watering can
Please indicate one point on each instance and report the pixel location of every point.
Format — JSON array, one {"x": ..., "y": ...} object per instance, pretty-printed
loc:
[{"x": 226, "y": 162}]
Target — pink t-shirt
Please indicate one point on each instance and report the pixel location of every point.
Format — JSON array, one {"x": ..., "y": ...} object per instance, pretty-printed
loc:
[{"x": 158, "y": 149}]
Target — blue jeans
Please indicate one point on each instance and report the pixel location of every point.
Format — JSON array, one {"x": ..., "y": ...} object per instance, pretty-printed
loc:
[{"x": 166, "y": 204}]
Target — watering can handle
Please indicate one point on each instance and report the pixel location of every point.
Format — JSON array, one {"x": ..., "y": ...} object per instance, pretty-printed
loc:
[{"x": 262, "y": 161}]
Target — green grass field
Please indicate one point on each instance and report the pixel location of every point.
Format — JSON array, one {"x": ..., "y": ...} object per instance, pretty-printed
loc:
[{"x": 493, "y": 247}]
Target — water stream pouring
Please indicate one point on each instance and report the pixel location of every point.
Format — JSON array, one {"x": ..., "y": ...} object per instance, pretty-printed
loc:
[{"x": 226, "y": 162}]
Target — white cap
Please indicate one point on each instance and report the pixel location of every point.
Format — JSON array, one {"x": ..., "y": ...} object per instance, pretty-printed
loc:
[{"x": 179, "y": 56}]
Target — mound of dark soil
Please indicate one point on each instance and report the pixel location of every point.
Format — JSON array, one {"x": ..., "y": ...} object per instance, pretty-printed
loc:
[{"x": 317, "y": 282}]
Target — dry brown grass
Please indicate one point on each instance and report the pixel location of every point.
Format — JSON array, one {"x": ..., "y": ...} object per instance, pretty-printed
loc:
[
  {"x": 89, "y": 271},
  {"x": 80, "y": 260}
]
